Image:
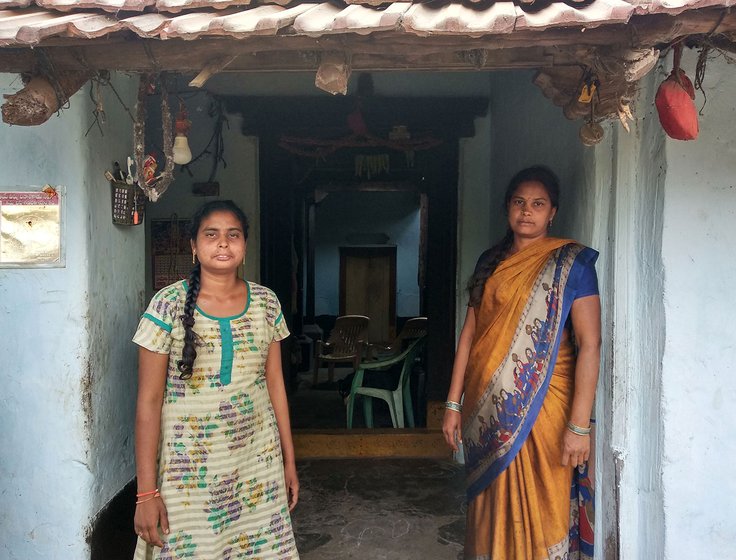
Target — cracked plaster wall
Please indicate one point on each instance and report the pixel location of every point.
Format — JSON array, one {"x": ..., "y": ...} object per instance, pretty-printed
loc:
[
  {"x": 636, "y": 326},
  {"x": 68, "y": 372}
]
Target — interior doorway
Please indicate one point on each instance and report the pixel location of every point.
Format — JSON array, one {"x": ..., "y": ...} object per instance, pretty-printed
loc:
[
  {"x": 362, "y": 248},
  {"x": 310, "y": 157}
]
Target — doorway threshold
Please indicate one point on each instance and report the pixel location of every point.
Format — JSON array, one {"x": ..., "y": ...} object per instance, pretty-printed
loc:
[{"x": 370, "y": 443}]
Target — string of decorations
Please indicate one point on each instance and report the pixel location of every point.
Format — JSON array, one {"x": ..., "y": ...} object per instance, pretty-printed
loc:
[{"x": 320, "y": 148}]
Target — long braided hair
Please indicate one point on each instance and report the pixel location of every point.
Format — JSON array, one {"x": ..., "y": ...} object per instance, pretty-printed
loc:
[
  {"x": 189, "y": 353},
  {"x": 497, "y": 253}
]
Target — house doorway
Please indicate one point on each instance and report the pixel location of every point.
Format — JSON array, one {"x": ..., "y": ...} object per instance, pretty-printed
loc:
[{"x": 309, "y": 158}]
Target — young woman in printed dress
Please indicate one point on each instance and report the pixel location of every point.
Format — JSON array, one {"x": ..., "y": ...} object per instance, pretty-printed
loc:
[{"x": 214, "y": 454}]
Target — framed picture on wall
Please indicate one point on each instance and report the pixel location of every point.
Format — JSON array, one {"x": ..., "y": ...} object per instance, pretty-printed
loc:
[{"x": 170, "y": 251}]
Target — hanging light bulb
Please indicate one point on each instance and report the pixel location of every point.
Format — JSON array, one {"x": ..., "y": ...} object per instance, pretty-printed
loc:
[{"x": 182, "y": 153}]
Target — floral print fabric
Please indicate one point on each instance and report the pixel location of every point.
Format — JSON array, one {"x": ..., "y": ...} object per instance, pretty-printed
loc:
[{"x": 220, "y": 465}]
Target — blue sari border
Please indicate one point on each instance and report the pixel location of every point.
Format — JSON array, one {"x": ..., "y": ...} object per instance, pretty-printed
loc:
[{"x": 582, "y": 258}]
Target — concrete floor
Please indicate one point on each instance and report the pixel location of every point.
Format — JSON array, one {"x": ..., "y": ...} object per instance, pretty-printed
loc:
[
  {"x": 380, "y": 509},
  {"x": 374, "y": 509}
]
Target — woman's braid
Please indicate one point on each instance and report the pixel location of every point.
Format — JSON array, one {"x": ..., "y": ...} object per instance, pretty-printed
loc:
[{"x": 189, "y": 353}]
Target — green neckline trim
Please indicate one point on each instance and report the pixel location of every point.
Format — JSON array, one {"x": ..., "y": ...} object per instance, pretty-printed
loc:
[
  {"x": 227, "y": 352},
  {"x": 158, "y": 322},
  {"x": 232, "y": 317}
]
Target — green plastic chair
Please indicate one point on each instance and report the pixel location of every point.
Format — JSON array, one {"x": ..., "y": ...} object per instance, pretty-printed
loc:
[{"x": 398, "y": 400}]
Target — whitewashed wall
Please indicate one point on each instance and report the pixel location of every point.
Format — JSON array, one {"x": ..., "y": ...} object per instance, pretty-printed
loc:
[
  {"x": 669, "y": 269},
  {"x": 68, "y": 368},
  {"x": 115, "y": 287},
  {"x": 698, "y": 386},
  {"x": 634, "y": 334}
]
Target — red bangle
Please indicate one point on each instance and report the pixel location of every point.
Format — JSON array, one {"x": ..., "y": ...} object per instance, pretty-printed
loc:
[
  {"x": 156, "y": 495},
  {"x": 142, "y": 494}
]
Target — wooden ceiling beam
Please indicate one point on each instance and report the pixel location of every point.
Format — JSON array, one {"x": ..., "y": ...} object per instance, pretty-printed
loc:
[
  {"x": 378, "y": 51},
  {"x": 133, "y": 59}
]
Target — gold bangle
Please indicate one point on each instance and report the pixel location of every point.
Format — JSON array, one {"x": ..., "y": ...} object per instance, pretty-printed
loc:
[{"x": 578, "y": 430}]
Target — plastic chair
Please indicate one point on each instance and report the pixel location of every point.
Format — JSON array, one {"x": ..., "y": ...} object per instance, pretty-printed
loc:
[
  {"x": 398, "y": 400},
  {"x": 345, "y": 344},
  {"x": 416, "y": 327}
]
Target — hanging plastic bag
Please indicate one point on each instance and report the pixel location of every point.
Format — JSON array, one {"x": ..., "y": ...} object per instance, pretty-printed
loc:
[{"x": 675, "y": 105}]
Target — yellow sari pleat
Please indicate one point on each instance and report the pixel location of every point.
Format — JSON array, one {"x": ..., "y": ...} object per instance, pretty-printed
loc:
[{"x": 524, "y": 514}]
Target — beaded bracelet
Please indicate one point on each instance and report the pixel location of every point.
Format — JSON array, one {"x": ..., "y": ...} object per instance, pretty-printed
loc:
[
  {"x": 452, "y": 405},
  {"x": 577, "y": 430}
]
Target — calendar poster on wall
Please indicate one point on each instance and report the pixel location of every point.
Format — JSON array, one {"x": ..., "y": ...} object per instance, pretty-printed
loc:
[{"x": 31, "y": 227}]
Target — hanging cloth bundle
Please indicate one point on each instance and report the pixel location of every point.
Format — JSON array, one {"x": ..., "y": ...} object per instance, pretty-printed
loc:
[{"x": 675, "y": 105}]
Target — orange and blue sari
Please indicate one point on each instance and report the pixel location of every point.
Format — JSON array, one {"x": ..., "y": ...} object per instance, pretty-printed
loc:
[{"x": 519, "y": 384}]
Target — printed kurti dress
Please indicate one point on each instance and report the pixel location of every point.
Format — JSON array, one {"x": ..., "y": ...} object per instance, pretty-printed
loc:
[{"x": 220, "y": 465}]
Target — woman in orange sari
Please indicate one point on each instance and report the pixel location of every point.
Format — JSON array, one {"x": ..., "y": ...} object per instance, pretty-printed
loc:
[{"x": 525, "y": 371}]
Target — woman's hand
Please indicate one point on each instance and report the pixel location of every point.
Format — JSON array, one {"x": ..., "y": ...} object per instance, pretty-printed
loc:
[
  {"x": 451, "y": 425},
  {"x": 451, "y": 428},
  {"x": 291, "y": 481},
  {"x": 148, "y": 517},
  {"x": 575, "y": 449}
]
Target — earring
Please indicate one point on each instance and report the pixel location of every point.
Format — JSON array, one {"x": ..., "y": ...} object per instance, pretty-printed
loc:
[
  {"x": 193, "y": 255},
  {"x": 549, "y": 225}
]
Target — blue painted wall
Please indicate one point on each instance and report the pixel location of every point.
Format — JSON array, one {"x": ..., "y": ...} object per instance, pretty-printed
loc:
[{"x": 68, "y": 369}]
